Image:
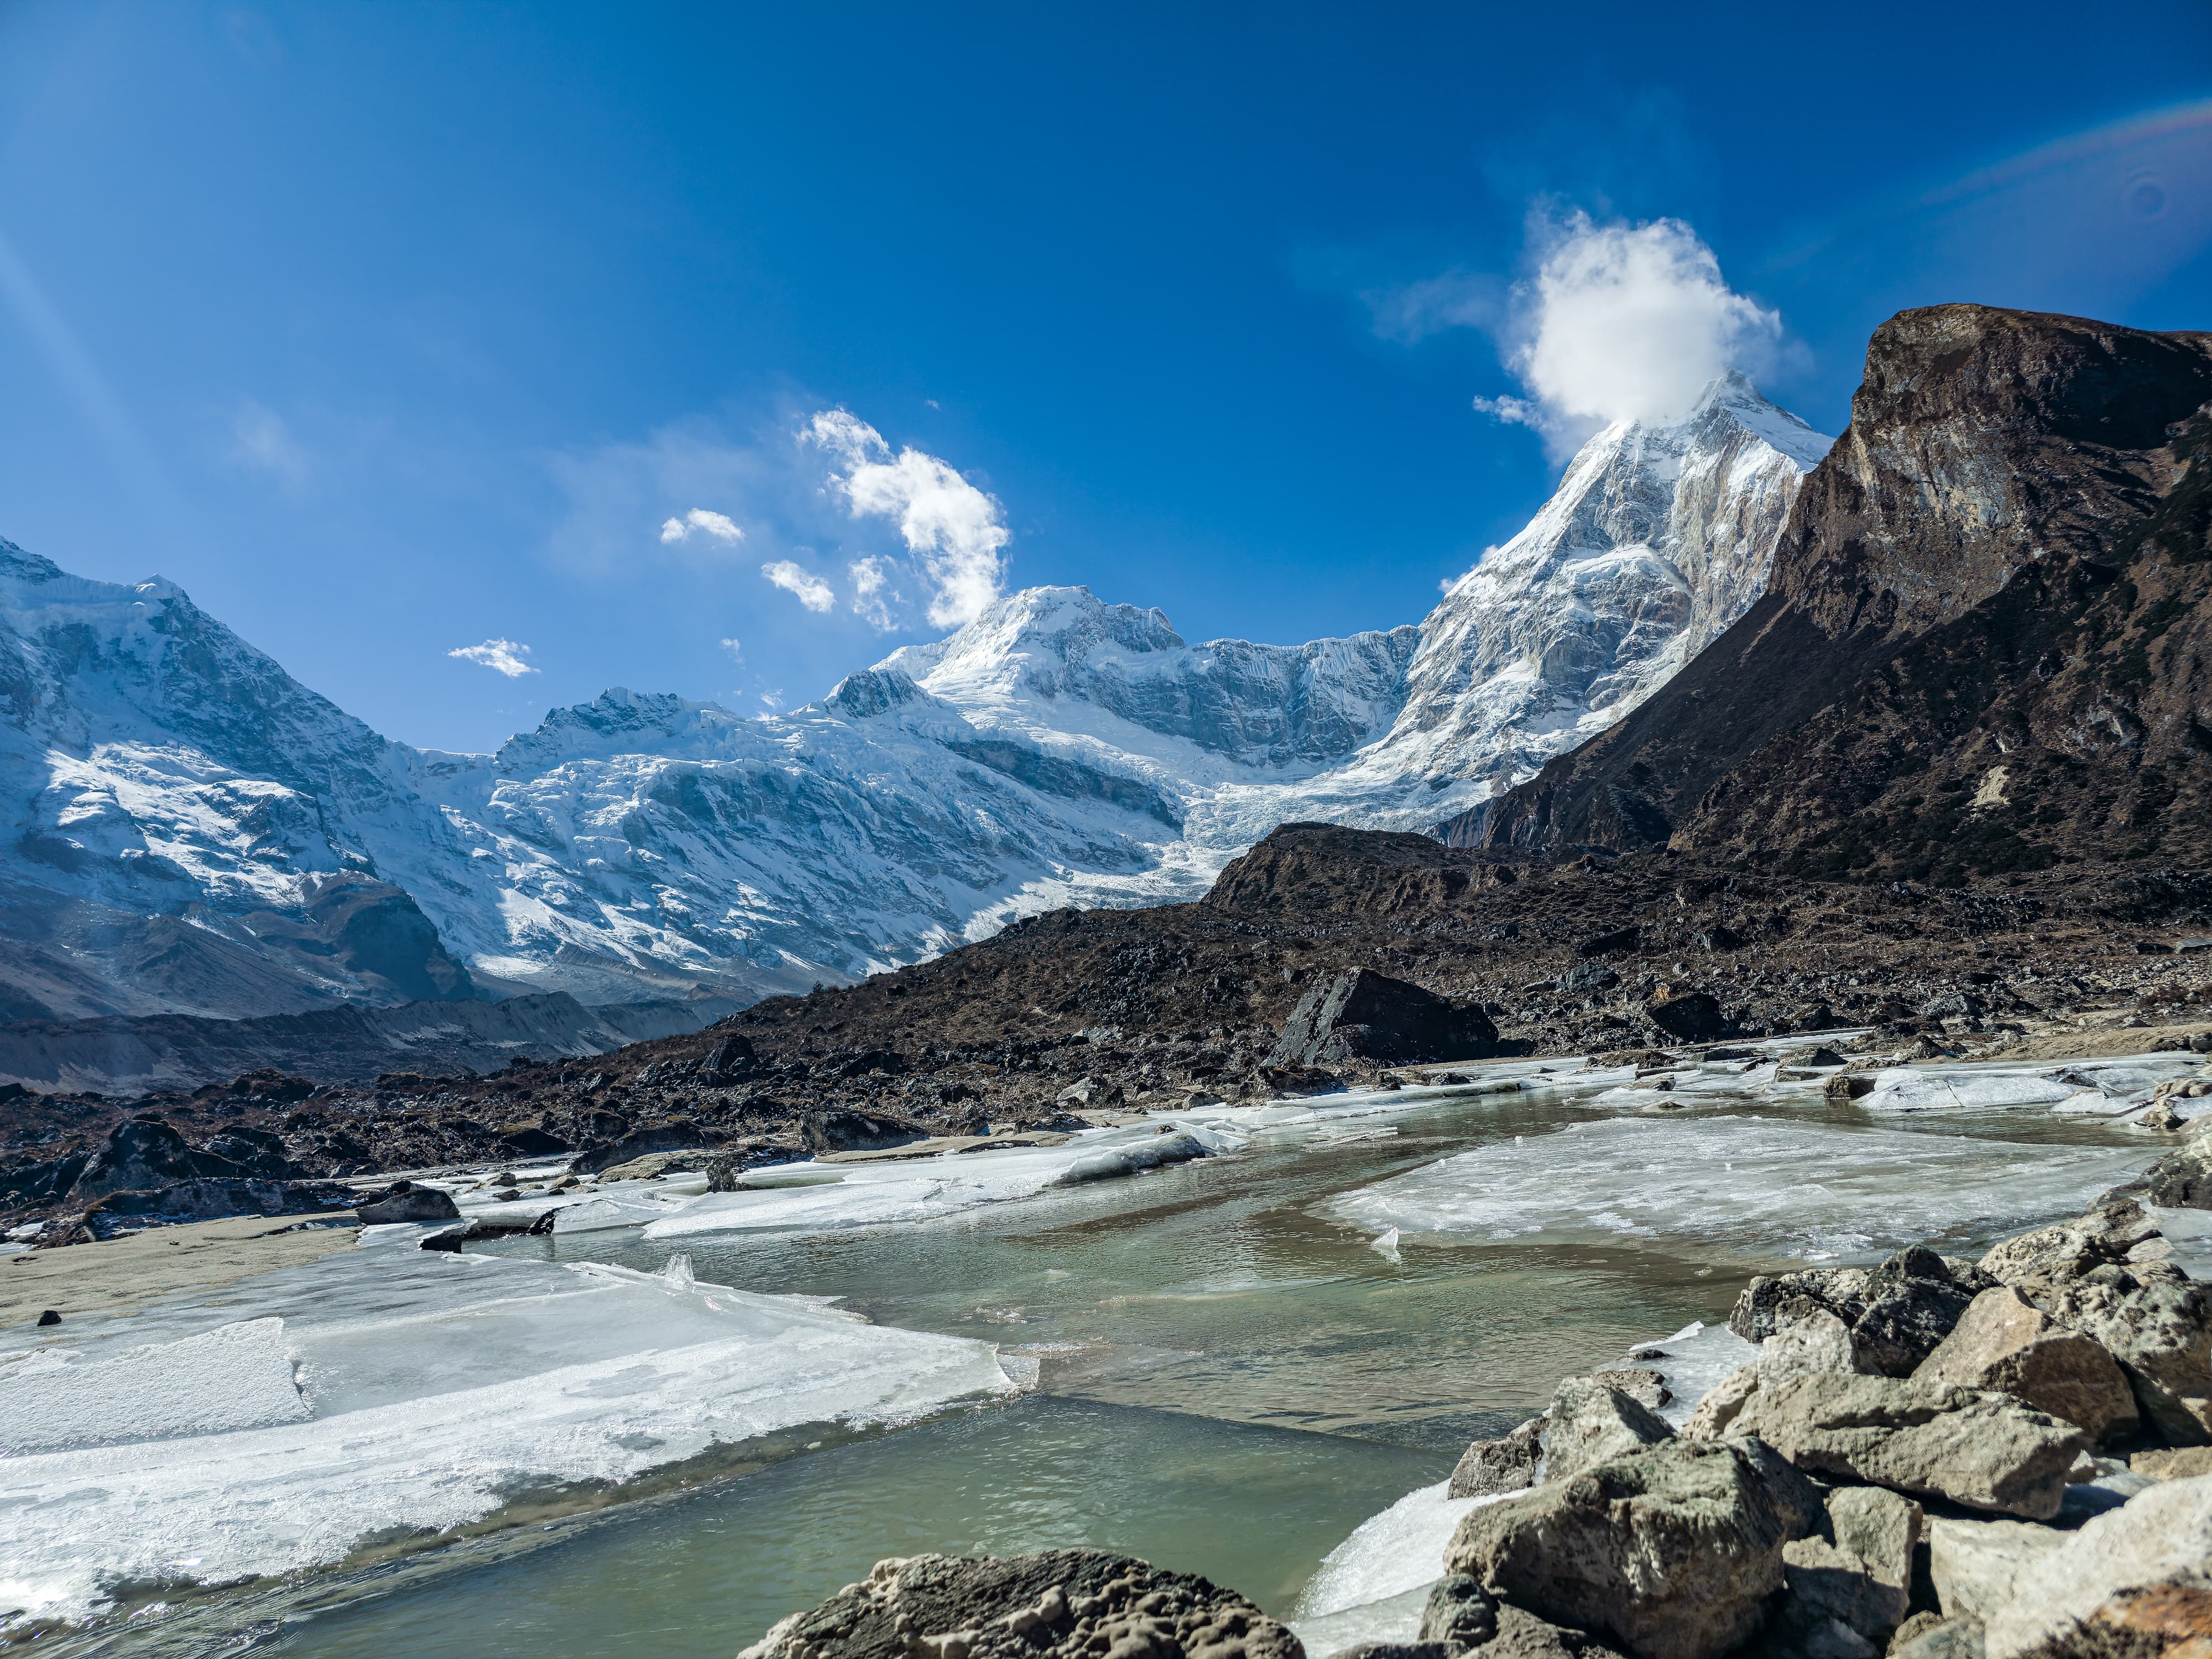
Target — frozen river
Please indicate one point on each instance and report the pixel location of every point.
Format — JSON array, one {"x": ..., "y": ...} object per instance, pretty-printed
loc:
[{"x": 664, "y": 1423}]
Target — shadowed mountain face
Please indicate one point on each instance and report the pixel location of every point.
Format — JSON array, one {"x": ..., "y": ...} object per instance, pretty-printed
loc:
[{"x": 1983, "y": 647}]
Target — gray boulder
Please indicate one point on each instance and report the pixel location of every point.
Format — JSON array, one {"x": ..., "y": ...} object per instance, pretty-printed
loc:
[
  {"x": 1524, "y": 1636},
  {"x": 2066, "y": 1251},
  {"x": 2135, "y": 1581},
  {"x": 1646, "y": 1387},
  {"x": 1849, "y": 1583},
  {"x": 2182, "y": 1180},
  {"x": 2160, "y": 1332},
  {"x": 1365, "y": 1015},
  {"x": 404, "y": 1201},
  {"x": 1932, "y": 1636},
  {"x": 1819, "y": 1342},
  {"x": 1719, "y": 1407},
  {"x": 2005, "y": 1342},
  {"x": 1507, "y": 1464},
  {"x": 1671, "y": 1550},
  {"x": 1459, "y": 1614},
  {"x": 1975, "y": 1566},
  {"x": 1057, "y": 1604},
  {"x": 1896, "y": 1313},
  {"x": 1929, "y": 1439},
  {"x": 1591, "y": 1424}
]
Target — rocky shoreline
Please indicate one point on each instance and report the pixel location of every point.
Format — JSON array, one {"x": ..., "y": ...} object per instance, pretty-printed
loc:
[{"x": 1933, "y": 1458}]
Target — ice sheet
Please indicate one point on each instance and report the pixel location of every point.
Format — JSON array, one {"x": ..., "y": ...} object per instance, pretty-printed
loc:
[
  {"x": 1400, "y": 1550},
  {"x": 1742, "y": 1183},
  {"x": 440, "y": 1388},
  {"x": 238, "y": 1375},
  {"x": 913, "y": 1190}
]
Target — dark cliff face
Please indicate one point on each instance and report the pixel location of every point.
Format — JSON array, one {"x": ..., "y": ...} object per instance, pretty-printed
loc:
[{"x": 1984, "y": 646}]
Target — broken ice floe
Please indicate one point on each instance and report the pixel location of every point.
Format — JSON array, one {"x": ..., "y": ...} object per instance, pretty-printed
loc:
[
  {"x": 380, "y": 1392},
  {"x": 1749, "y": 1184}
]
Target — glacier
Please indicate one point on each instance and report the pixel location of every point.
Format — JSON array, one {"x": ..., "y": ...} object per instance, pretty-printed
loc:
[{"x": 188, "y": 830}]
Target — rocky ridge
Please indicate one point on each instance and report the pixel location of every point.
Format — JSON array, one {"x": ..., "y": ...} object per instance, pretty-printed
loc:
[{"x": 1983, "y": 647}]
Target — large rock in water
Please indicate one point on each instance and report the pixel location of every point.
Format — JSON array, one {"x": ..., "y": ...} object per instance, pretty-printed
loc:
[
  {"x": 1672, "y": 1551},
  {"x": 1057, "y": 1604},
  {"x": 1925, "y": 1438},
  {"x": 2133, "y": 1583},
  {"x": 1365, "y": 1015},
  {"x": 2004, "y": 1341},
  {"x": 405, "y": 1201}
]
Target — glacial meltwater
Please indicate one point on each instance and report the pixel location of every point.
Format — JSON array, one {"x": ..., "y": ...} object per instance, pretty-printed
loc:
[{"x": 660, "y": 1432}]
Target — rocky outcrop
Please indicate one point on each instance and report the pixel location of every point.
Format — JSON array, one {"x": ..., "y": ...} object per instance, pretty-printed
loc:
[
  {"x": 2160, "y": 1333},
  {"x": 1981, "y": 648},
  {"x": 1366, "y": 1016},
  {"x": 1924, "y": 1438},
  {"x": 1671, "y": 1550},
  {"x": 2067, "y": 1251},
  {"x": 1975, "y": 1567},
  {"x": 2003, "y": 1341},
  {"x": 1057, "y": 1604}
]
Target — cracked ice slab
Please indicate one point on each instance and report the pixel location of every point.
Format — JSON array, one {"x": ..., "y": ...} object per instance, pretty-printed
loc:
[{"x": 389, "y": 1392}]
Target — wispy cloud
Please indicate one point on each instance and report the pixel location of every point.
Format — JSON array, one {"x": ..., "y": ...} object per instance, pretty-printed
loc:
[
  {"x": 802, "y": 583},
  {"x": 1410, "y": 312},
  {"x": 737, "y": 650},
  {"x": 261, "y": 441},
  {"x": 501, "y": 656},
  {"x": 871, "y": 599},
  {"x": 956, "y": 531},
  {"x": 700, "y": 521}
]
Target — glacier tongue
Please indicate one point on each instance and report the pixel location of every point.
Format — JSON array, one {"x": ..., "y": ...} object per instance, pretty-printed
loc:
[{"x": 192, "y": 831}]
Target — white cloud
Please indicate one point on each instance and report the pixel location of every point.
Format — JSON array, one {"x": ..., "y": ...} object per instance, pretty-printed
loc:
[
  {"x": 809, "y": 589},
  {"x": 699, "y": 518},
  {"x": 1513, "y": 411},
  {"x": 261, "y": 442},
  {"x": 871, "y": 595},
  {"x": 956, "y": 530},
  {"x": 1627, "y": 322},
  {"x": 736, "y": 650},
  {"x": 1457, "y": 299},
  {"x": 501, "y": 656}
]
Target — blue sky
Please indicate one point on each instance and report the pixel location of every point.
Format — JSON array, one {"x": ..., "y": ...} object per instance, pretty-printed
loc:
[{"x": 391, "y": 330}]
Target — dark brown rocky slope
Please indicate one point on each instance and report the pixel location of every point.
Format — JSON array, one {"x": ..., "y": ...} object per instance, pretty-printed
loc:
[{"x": 1984, "y": 645}]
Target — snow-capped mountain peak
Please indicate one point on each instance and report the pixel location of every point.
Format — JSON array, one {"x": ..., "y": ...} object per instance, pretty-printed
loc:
[{"x": 157, "y": 773}]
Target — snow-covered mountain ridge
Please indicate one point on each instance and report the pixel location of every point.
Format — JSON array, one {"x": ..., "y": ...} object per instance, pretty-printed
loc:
[{"x": 184, "y": 828}]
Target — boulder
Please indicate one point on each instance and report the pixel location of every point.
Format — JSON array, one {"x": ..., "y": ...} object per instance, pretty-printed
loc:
[
  {"x": 405, "y": 1201},
  {"x": 144, "y": 1155},
  {"x": 1508, "y": 1464},
  {"x": 1925, "y": 1438},
  {"x": 2161, "y": 1334},
  {"x": 2003, "y": 1341},
  {"x": 2135, "y": 1580},
  {"x": 2182, "y": 1180},
  {"x": 1292, "y": 1082},
  {"x": 1818, "y": 1342},
  {"x": 2066, "y": 1251},
  {"x": 1688, "y": 1016},
  {"x": 1056, "y": 1604},
  {"x": 1975, "y": 1566},
  {"x": 671, "y": 1135},
  {"x": 206, "y": 1199},
  {"x": 1524, "y": 1636},
  {"x": 1718, "y": 1407},
  {"x": 1896, "y": 1313},
  {"x": 1585, "y": 978},
  {"x": 729, "y": 1060},
  {"x": 1646, "y": 1387},
  {"x": 1091, "y": 1094},
  {"x": 1612, "y": 943},
  {"x": 1589, "y": 1424},
  {"x": 1932, "y": 1636},
  {"x": 1459, "y": 1613},
  {"x": 1365, "y": 1015},
  {"x": 1671, "y": 1550},
  {"x": 2170, "y": 1463},
  {"x": 528, "y": 1141},
  {"x": 1848, "y": 1583}
]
